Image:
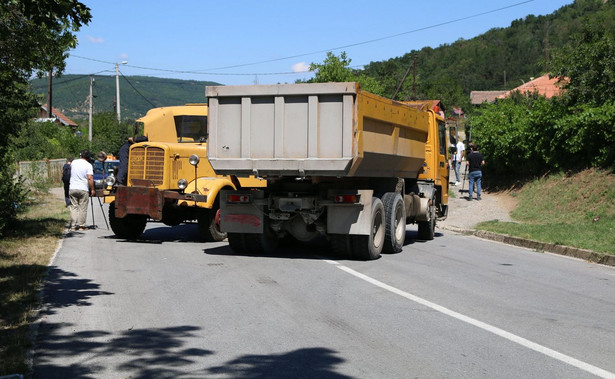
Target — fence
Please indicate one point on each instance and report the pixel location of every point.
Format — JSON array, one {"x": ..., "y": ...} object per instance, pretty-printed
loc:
[{"x": 48, "y": 170}]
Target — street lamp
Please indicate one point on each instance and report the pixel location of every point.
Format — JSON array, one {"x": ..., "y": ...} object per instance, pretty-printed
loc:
[{"x": 117, "y": 89}]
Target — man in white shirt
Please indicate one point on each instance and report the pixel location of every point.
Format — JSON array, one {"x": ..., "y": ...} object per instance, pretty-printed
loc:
[
  {"x": 459, "y": 154},
  {"x": 80, "y": 188}
]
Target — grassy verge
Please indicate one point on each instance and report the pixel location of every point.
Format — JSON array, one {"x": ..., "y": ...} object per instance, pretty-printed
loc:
[
  {"x": 24, "y": 256},
  {"x": 573, "y": 210}
]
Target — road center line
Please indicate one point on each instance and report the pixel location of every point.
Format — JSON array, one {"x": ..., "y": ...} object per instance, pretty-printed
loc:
[{"x": 490, "y": 328}]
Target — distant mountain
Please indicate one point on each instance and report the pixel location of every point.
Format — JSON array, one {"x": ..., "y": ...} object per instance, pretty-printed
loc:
[{"x": 138, "y": 94}]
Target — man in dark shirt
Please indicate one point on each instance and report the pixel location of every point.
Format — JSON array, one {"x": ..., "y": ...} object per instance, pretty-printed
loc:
[
  {"x": 122, "y": 171},
  {"x": 66, "y": 180},
  {"x": 475, "y": 164}
]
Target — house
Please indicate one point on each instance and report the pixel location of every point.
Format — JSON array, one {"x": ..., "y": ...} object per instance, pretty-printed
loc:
[
  {"x": 479, "y": 97},
  {"x": 56, "y": 116},
  {"x": 543, "y": 85}
]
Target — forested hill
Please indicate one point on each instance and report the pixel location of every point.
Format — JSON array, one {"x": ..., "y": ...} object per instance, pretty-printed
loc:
[
  {"x": 138, "y": 94},
  {"x": 500, "y": 59}
]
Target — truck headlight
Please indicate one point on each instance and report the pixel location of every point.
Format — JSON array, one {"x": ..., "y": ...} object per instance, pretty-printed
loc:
[
  {"x": 110, "y": 181},
  {"x": 194, "y": 159},
  {"x": 182, "y": 184}
]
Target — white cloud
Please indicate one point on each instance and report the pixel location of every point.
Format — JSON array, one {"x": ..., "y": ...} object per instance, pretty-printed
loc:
[
  {"x": 301, "y": 67},
  {"x": 96, "y": 39},
  {"x": 124, "y": 56}
]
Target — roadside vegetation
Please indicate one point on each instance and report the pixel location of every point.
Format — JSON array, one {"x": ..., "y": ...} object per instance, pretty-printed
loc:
[
  {"x": 566, "y": 209},
  {"x": 25, "y": 253}
]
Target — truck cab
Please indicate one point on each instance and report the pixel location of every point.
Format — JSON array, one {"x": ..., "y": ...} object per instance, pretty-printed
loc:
[{"x": 169, "y": 176}]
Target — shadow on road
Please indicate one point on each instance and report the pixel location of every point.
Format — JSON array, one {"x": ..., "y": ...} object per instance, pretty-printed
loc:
[
  {"x": 162, "y": 353},
  {"x": 64, "y": 289}
]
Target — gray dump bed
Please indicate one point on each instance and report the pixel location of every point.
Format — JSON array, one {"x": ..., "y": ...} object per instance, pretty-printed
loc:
[{"x": 315, "y": 129}]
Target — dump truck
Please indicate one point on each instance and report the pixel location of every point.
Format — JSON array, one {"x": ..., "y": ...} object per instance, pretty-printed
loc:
[
  {"x": 169, "y": 178},
  {"x": 338, "y": 161}
]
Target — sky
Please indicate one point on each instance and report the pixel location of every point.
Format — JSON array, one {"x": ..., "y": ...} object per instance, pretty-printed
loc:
[{"x": 237, "y": 42}]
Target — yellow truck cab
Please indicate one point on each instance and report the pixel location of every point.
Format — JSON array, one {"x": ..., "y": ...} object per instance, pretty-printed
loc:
[{"x": 169, "y": 176}]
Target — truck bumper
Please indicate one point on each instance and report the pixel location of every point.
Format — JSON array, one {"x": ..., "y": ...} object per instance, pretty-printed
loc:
[{"x": 148, "y": 200}]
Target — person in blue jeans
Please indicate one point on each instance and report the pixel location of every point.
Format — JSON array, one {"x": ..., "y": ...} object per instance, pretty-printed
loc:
[{"x": 475, "y": 163}]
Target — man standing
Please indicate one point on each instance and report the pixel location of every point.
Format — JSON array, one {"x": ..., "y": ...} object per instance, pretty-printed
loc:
[
  {"x": 66, "y": 180},
  {"x": 122, "y": 171},
  {"x": 459, "y": 155},
  {"x": 81, "y": 187},
  {"x": 475, "y": 163}
]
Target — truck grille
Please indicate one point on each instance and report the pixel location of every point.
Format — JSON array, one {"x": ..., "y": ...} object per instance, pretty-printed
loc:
[{"x": 147, "y": 163}]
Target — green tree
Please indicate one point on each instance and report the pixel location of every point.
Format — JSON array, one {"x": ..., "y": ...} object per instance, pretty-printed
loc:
[
  {"x": 337, "y": 69},
  {"x": 587, "y": 66},
  {"x": 107, "y": 134},
  {"x": 34, "y": 37}
]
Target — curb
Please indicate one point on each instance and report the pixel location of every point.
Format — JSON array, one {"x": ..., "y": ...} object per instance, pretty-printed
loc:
[{"x": 588, "y": 255}]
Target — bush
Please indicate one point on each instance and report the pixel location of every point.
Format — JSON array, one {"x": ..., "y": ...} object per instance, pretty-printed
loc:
[
  {"x": 12, "y": 190},
  {"x": 529, "y": 136}
]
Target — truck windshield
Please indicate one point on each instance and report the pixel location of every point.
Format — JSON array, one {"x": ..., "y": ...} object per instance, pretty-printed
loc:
[
  {"x": 191, "y": 128},
  {"x": 98, "y": 167}
]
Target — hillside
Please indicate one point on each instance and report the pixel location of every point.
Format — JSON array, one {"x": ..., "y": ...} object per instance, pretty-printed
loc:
[
  {"x": 138, "y": 94},
  {"x": 501, "y": 58}
]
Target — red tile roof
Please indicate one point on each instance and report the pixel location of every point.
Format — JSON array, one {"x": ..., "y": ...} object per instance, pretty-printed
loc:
[
  {"x": 58, "y": 115},
  {"x": 543, "y": 85}
]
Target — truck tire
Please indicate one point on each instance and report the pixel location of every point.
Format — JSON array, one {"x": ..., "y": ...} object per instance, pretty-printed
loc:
[
  {"x": 209, "y": 225},
  {"x": 367, "y": 248},
  {"x": 129, "y": 227},
  {"x": 427, "y": 228},
  {"x": 253, "y": 243},
  {"x": 341, "y": 245},
  {"x": 237, "y": 242},
  {"x": 395, "y": 215},
  {"x": 263, "y": 243}
]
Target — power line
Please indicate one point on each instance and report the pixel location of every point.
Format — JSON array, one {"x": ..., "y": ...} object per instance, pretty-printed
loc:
[
  {"x": 203, "y": 71},
  {"x": 378, "y": 39},
  {"x": 133, "y": 87},
  {"x": 200, "y": 72}
]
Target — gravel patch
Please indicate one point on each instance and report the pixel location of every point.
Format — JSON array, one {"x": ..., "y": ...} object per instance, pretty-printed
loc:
[{"x": 464, "y": 214}]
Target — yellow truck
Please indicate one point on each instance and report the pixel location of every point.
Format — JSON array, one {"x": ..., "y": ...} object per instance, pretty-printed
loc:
[
  {"x": 169, "y": 178},
  {"x": 338, "y": 161}
]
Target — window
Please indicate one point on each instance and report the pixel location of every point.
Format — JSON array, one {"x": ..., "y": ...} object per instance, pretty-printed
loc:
[
  {"x": 442, "y": 137},
  {"x": 191, "y": 128}
]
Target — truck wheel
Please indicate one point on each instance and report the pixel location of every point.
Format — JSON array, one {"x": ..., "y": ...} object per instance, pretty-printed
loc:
[
  {"x": 209, "y": 225},
  {"x": 262, "y": 243},
  {"x": 395, "y": 215},
  {"x": 427, "y": 228},
  {"x": 129, "y": 227},
  {"x": 341, "y": 245},
  {"x": 254, "y": 243},
  {"x": 237, "y": 242},
  {"x": 367, "y": 248}
]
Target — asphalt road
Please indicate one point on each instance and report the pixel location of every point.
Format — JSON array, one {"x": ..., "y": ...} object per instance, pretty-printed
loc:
[{"x": 455, "y": 307}]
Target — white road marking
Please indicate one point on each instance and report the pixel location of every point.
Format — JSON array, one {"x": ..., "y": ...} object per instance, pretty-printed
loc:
[{"x": 479, "y": 324}]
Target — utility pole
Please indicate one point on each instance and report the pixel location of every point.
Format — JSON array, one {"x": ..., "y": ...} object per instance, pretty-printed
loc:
[
  {"x": 414, "y": 79},
  {"x": 401, "y": 83},
  {"x": 117, "y": 92},
  {"x": 90, "y": 110},
  {"x": 117, "y": 89},
  {"x": 49, "y": 94}
]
